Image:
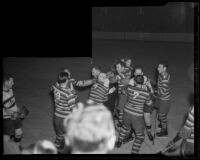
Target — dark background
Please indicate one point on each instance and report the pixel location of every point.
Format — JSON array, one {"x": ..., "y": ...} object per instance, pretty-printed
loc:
[{"x": 172, "y": 17}]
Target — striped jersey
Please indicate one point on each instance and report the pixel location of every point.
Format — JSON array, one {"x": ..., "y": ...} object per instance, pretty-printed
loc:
[
  {"x": 9, "y": 103},
  {"x": 137, "y": 96},
  {"x": 189, "y": 125},
  {"x": 98, "y": 93},
  {"x": 164, "y": 87},
  {"x": 64, "y": 99},
  {"x": 81, "y": 83}
]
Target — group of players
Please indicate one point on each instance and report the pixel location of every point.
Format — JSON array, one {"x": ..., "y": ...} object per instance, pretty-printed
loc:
[{"x": 126, "y": 91}]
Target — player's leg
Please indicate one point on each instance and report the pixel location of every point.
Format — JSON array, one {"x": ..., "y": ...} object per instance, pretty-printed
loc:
[
  {"x": 147, "y": 119},
  {"x": 121, "y": 107},
  {"x": 138, "y": 125},
  {"x": 163, "y": 110},
  {"x": 8, "y": 129},
  {"x": 18, "y": 132},
  {"x": 59, "y": 129},
  {"x": 125, "y": 129},
  {"x": 129, "y": 137}
]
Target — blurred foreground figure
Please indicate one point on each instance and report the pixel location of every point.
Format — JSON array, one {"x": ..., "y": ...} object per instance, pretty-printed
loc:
[
  {"x": 90, "y": 129},
  {"x": 41, "y": 147},
  {"x": 10, "y": 147}
]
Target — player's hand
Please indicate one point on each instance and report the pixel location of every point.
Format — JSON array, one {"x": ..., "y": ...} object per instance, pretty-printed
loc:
[
  {"x": 185, "y": 133},
  {"x": 131, "y": 82},
  {"x": 106, "y": 82},
  {"x": 112, "y": 90},
  {"x": 14, "y": 115},
  {"x": 23, "y": 112}
]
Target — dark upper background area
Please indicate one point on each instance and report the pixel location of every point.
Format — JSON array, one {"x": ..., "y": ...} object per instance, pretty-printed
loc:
[{"x": 173, "y": 17}]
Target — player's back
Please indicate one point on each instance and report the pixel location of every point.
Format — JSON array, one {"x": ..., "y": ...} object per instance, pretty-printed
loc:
[
  {"x": 98, "y": 93},
  {"x": 137, "y": 97},
  {"x": 64, "y": 100}
]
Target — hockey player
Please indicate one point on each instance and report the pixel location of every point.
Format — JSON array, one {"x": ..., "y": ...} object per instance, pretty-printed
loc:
[
  {"x": 65, "y": 99},
  {"x": 164, "y": 97},
  {"x": 138, "y": 70},
  {"x": 108, "y": 100},
  {"x": 128, "y": 67},
  {"x": 113, "y": 95},
  {"x": 11, "y": 121},
  {"x": 137, "y": 95},
  {"x": 121, "y": 78},
  {"x": 147, "y": 109},
  {"x": 100, "y": 90}
]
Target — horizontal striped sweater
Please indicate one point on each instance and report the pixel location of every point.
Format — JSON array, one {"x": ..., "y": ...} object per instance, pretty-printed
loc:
[
  {"x": 98, "y": 93},
  {"x": 163, "y": 86},
  {"x": 189, "y": 125},
  {"x": 137, "y": 96},
  {"x": 65, "y": 100},
  {"x": 9, "y": 104}
]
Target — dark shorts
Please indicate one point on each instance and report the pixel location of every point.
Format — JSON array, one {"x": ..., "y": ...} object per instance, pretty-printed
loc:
[
  {"x": 58, "y": 125},
  {"x": 134, "y": 122},
  {"x": 9, "y": 126},
  {"x": 148, "y": 109},
  {"x": 164, "y": 106}
]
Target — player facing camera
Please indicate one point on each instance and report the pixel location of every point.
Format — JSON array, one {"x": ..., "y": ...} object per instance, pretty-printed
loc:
[{"x": 139, "y": 79}]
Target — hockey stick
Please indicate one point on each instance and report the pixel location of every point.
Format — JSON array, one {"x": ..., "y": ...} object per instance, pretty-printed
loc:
[
  {"x": 170, "y": 144},
  {"x": 154, "y": 133},
  {"x": 156, "y": 117}
]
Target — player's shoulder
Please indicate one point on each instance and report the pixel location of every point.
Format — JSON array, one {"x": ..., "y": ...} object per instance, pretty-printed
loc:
[
  {"x": 166, "y": 76},
  {"x": 145, "y": 79}
]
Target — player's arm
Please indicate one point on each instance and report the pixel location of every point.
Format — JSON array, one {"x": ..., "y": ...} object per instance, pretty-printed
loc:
[
  {"x": 106, "y": 89},
  {"x": 83, "y": 83}
]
